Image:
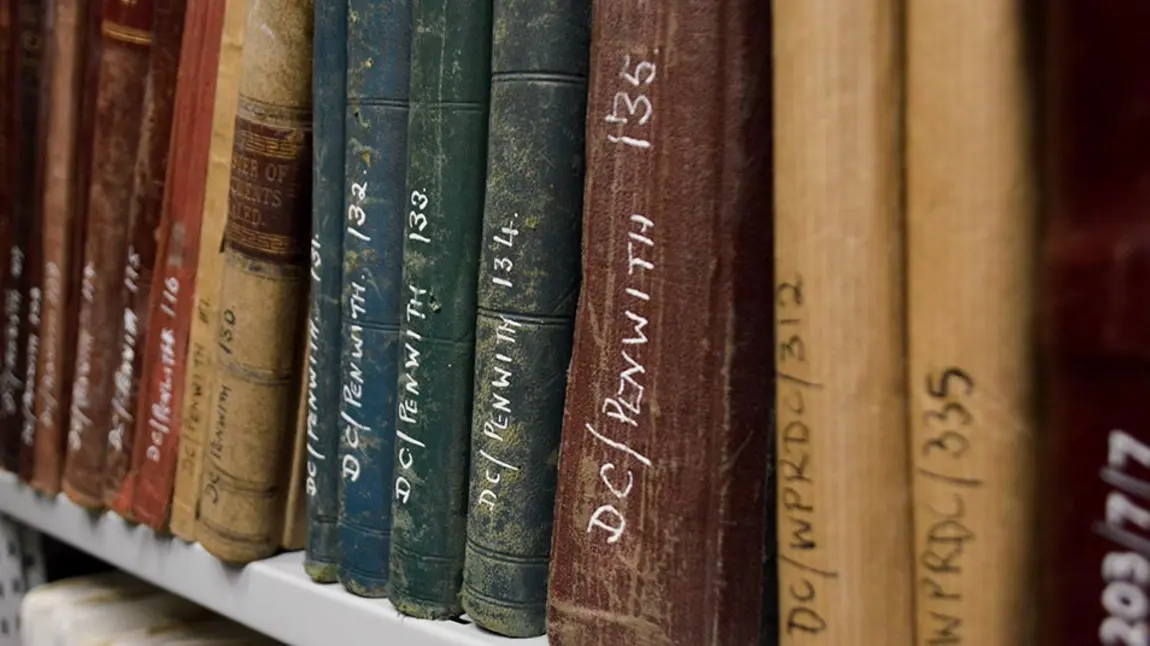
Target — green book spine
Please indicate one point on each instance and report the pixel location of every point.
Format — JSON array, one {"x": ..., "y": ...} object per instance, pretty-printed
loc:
[
  {"x": 528, "y": 288},
  {"x": 447, "y": 144}
]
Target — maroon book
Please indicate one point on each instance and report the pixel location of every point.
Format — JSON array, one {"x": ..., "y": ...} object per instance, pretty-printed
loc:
[{"x": 1096, "y": 323}]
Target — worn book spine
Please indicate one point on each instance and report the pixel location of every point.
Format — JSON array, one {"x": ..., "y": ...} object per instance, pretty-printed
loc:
[
  {"x": 971, "y": 242},
  {"x": 323, "y": 389},
  {"x": 200, "y": 359},
  {"x": 446, "y": 151},
  {"x": 144, "y": 217},
  {"x": 263, "y": 289},
  {"x": 665, "y": 440},
  {"x": 1094, "y": 325},
  {"x": 9, "y": 436},
  {"x": 170, "y": 303},
  {"x": 841, "y": 398},
  {"x": 528, "y": 289},
  {"x": 294, "y": 534},
  {"x": 127, "y": 37},
  {"x": 378, "y": 82},
  {"x": 75, "y": 49},
  {"x": 21, "y": 293}
]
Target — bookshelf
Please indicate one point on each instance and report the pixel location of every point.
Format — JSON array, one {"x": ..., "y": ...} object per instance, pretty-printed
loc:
[{"x": 272, "y": 596}]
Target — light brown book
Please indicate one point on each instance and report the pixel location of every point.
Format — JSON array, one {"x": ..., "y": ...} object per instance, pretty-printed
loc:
[
  {"x": 971, "y": 227},
  {"x": 263, "y": 289},
  {"x": 844, "y": 513},
  {"x": 200, "y": 360},
  {"x": 295, "y": 501}
]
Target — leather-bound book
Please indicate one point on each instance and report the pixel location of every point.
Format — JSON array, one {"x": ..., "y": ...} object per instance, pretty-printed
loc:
[
  {"x": 144, "y": 217},
  {"x": 294, "y": 534},
  {"x": 446, "y": 154},
  {"x": 528, "y": 289},
  {"x": 10, "y": 434},
  {"x": 377, "y": 113},
  {"x": 125, "y": 52},
  {"x": 263, "y": 289},
  {"x": 200, "y": 360},
  {"x": 329, "y": 98},
  {"x": 21, "y": 289},
  {"x": 971, "y": 242},
  {"x": 171, "y": 303},
  {"x": 660, "y": 526},
  {"x": 1095, "y": 325},
  {"x": 74, "y": 51}
]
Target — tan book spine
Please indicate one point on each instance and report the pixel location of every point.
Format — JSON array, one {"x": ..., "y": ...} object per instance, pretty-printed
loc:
[
  {"x": 971, "y": 227},
  {"x": 201, "y": 347},
  {"x": 844, "y": 525},
  {"x": 295, "y": 504},
  {"x": 263, "y": 289}
]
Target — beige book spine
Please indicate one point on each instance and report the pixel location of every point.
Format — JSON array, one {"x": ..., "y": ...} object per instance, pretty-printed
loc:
[
  {"x": 843, "y": 486},
  {"x": 971, "y": 218},
  {"x": 295, "y": 507},
  {"x": 263, "y": 290},
  {"x": 202, "y": 342}
]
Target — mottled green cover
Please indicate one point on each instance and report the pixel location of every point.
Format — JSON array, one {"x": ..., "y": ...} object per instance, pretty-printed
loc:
[
  {"x": 528, "y": 288},
  {"x": 329, "y": 96},
  {"x": 447, "y": 143}
]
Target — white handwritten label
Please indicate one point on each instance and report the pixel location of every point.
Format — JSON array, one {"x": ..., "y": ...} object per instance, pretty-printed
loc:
[{"x": 1126, "y": 572}]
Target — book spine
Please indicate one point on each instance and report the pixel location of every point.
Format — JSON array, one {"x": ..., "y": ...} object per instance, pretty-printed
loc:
[
  {"x": 127, "y": 37},
  {"x": 971, "y": 224},
  {"x": 528, "y": 289},
  {"x": 264, "y": 288},
  {"x": 158, "y": 428},
  {"x": 841, "y": 397},
  {"x": 10, "y": 436},
  {"x": 1095, "y": 326},
  {"x": 323, "y": 426},
  {"x": 144, "y": 221},
  {"x": 377, "y": 113},
  {"x": 294, "y": 535},
  {"x": 446, "y": 150},
  {"x": 75, "y": 49},
  {"x": 666, "y": 427},
  {"x": 19, "y": 291},
  {"x": 200, "y": 361}
]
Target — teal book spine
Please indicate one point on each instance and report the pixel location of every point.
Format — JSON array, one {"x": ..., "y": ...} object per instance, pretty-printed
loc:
[
  {"x": 329, "y": 93},
  {"x": 527, "y": 291},
  {"x": 378, "y": 80},
  {"x": 447, "y": 150}
]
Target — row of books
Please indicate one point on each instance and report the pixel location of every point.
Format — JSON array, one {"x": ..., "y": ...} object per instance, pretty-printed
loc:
[{"x": 113, "y": 609}]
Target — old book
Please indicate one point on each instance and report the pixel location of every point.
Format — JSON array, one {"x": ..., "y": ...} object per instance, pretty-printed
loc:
[
  {"x": 170, "y": 303},
  {"x": 144, "y": 214},
  {"x": 21, "y": 290},
  {"x": 200, "y": 360},
  {"x": 971, "y": 239},
  {"x": 660, "y": 508},
  {"x": 528, "y": 289},
  {"x": 446, "y": 150},
  {"x": 295, "y": 528},
  {"x": 263, "y": 289},
  {"x": 842, "y": 458},
  {"x": 10, "y": 435},
  {"x": 329, "y": 88},
  {"x": 124, "y": 59},
  {"x": 375, "y": 164},
  {"x": 1095, "y": 326},
  {"x": 75, "y": 53}
]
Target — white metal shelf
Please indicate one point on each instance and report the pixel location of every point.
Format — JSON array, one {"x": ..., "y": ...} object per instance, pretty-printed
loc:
[{"x": 272, "y": 596}]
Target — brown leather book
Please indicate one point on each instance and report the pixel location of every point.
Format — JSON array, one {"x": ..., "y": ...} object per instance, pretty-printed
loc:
[
  {"x": 74, "y": 50},
  {"x": 200, "y": 360},
  {"x": 127, "y": 37},
  {"x": 143, "y": 229},
  {"x": 1094, "y": 325},
  {"x": 294, "y": 535},
  {"x": 21, "y": 288},
  {"x": 171, "y": 301},
  {"x": 263, "y": 289},
  {"x": 9, "y": 434},
  {"x": 660, "y": 512}
]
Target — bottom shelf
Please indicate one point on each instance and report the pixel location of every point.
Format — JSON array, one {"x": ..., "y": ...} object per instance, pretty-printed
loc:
[{"x": 272, "y": 596}]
